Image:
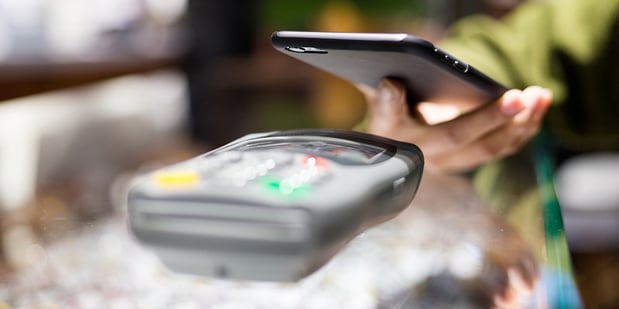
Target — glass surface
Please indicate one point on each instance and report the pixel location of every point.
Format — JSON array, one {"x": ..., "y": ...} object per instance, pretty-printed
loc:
[
  {"x": 560, "y": 285},
  {"x": 449, "y": 249}
]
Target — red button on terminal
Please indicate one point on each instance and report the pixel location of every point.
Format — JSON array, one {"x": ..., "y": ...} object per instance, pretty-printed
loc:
[{"x": 315, "y": 161}]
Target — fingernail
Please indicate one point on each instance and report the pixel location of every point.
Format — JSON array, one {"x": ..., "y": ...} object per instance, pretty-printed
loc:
[
  {"x": 537, "y": 98},
  {"x": 512, "y": 103},
  {"x": 546, "y": 93},
  {"x": 546, "y": 99},
  {"x": 542, "y": 105}
]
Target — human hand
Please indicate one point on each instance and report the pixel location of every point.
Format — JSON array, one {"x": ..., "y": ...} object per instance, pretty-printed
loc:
[{"x": 456, "y": 137}]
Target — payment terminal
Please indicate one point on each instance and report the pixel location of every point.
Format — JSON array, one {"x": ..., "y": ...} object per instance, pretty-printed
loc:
[{"x": 272, "y": 206}]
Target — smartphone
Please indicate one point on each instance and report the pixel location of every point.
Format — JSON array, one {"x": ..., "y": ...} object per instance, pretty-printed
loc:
[{"x": 429, "y": 73}]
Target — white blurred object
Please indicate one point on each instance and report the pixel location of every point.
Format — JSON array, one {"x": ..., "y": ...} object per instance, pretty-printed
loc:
[
  {"x": 588, "y": 190},
  {"x": 86, "y": 130},
  {"x": 24, "y": 14},
  {"x": 6, "y": 44},
  {"x": 78, "y": 30},
  {"x": 590, "y": 182},
  {"x": 23, "y": 23},
  {"x": 18, "y": 151},
  {"x": 74, "y": 27},
  {"x": 69, "y": 28},
  {"x": 114, "y": 14}
]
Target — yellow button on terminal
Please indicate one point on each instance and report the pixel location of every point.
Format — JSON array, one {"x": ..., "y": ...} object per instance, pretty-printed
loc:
[{"x": 176, "y": 179}]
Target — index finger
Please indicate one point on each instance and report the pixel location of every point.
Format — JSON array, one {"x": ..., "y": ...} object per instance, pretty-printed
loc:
[{"x": 466, "y": 128}]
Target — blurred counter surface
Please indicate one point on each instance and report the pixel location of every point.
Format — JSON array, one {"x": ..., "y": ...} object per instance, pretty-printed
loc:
[
  {"x": 32, "y": 75},
  {"x": 447, "y": 250}
]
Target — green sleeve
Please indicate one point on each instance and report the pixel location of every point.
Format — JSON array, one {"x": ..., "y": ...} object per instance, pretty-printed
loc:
[
  {"x": 568, "y": 46},
  {"x": 519, "y": 50}
]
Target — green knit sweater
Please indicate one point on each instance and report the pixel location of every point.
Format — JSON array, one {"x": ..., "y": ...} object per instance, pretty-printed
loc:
[{"x": 569, "y": 46}]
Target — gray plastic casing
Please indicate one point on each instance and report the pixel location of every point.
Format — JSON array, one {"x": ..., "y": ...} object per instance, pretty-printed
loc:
[{"x": 214, "y": 229}]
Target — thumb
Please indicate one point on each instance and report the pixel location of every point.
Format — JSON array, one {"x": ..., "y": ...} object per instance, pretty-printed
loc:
[{"x": 390, "y": 101}]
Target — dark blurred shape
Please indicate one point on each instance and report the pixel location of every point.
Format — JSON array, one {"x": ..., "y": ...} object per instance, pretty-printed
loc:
[
  {"x": 217, "y": 30},
  {"x": 443, "y": 291},
  {"x": 447, "y": 12},
  {"x": 499, "y": 8}
]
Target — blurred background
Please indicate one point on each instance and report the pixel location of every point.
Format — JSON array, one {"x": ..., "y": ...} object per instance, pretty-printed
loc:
[{"x": 93, "y": 92}]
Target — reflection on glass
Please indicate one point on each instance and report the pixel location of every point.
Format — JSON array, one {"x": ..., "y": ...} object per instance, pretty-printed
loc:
[
  {"x": 560, "y": 287},
  {"x": 480, "y": 261},
  {"x": 446, "y": 250}
]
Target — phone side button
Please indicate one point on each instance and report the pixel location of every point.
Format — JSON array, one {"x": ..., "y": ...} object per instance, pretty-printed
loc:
[{"x": 461, "y": 66}]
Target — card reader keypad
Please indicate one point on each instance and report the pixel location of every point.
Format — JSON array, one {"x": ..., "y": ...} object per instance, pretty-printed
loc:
[
  {"x": 289, "y": 170},
  {"x": 284, "y": 172},
  {"x": 247, "y": 168}
]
